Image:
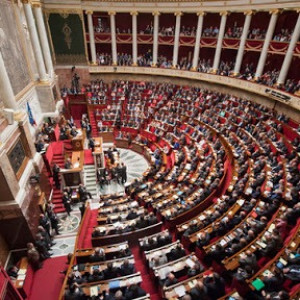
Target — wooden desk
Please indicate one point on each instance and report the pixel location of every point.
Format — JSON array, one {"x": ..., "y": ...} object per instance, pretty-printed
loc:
[
  {"x": 99, "y": 153},
  {"x": 78, "y": 140},
  {"x": 19, "y": 282},
  {"x": 111, "y": 251},
  {"x": 73, "y": 177},
  {"x": 96, "y": 288}
]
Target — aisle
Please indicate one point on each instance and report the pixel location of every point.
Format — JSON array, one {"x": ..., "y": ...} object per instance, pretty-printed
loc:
[
  {"x": 148, "y": 284},
  {"x": 47, "y": 281}
]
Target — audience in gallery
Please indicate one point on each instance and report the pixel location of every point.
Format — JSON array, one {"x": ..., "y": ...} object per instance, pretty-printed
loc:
[{"x": 226, "y": 68}]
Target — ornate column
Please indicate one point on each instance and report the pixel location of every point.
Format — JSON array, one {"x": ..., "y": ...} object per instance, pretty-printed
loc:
[
  {"x": 223, "y": 15},
  {"x": 240, "y": 54},
  {"x": 134, "y": 37},
  {"x": 197, "y": 42},
  {"x": 176, "y": 38},
  {"x": 113, "y": 37},
  {"x": 6, "y": 91},
  {"x": 264, "y": 51},
  {"x": 289, "y": 54},
  {"x": 35, "y": 41},
  {"x": 43, "y": 38},
  {"x": 92, "y": 36},
  {"x": 155, "y": 38}
]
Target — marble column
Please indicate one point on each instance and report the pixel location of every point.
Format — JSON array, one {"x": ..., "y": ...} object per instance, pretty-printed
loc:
[
  {"x": 220, "y": 41},
  {"x": 43, "y": 38},
  {"x": 240, "y": 54},
  {"x": 197, "y": 41},
  {"x": 134, "y": 38},
  {"x": 113, "y": 37},
  {"x": 6, "y": 91},
  {"x": 176, "y": 39},
  {"x": 155, "y": 38},
  {"x": 264, "y": 51},
  {"x": 289, "y": 54},
  {"x": 35, "y": 41},
  {"x": 92, "y": 36}
]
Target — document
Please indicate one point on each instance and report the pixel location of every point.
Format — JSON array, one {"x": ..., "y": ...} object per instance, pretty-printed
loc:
[
  {"x": 180, "y": 290},
  {"x": 93, "y": 291}
]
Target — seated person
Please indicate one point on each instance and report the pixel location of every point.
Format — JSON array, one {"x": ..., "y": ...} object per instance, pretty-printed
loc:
[
  {"x": 134, "y": 291},
  {"x": 110, "y": 272},
  {"x": 157, "y": 261},
  {"x": 74, "y": 292},
  {"x": 176, "y": 253},
  {"x": 98, "y": 255},
  {"x": 127, "y": 268},
  {"x": 171, "y": 280}
]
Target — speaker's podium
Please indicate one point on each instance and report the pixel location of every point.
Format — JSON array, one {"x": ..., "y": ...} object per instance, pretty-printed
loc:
[
  {"x": 99, "y": 153},
  {"x": 74, "y": 176},
  {"x": 78, "y": 140}
]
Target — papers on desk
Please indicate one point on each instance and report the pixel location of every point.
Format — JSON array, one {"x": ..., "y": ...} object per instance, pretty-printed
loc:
[
  {"x": 248, "y": 191},
  {"x": 163, "y": 272},
  {"x": 123, "y": 247},
  {"x": 240, "y": 202},
  {"x": 190, "y": 263},
  {"x": 22, "y": 272},
  {"x": 261, "y": 244},
  {"x": 76, "y": 165},
  {"x": 94, "y": 291},
  {"x": 21, "y": 277},
  {"x": 271, "y": 228},
  {"x": 180, "y": 290},
  {"x": 192, "y": 283}
]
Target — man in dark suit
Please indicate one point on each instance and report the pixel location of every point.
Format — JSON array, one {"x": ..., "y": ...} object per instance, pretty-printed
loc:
[
  {"x": 98, "y": 255},
  {"x": 134, "y": 291},
  {"x": 67, "y": 203},
  {"x": 123, "y": 173},
  {"x": 127, "y": 268},
  {"x": 176, "y": 253},
  {"x": 110, "y": 272},
  {"x": 83, "y": 193},
  {"x": 199, "y": 291},
  {"x": 55, "y": 172}
]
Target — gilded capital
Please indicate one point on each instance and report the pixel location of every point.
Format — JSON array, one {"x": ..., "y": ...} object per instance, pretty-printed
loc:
[
  {"x": 156, "y": 13},
  {"x": 224, "y": 13},
  {"x": 178, "y": 13},
  {"x": 25, "y": 1},
  {"x": 112, "y": 13},
  {"x": 274, "y": 11},
  {"x": 89, "y": 12},
  {"x": 201, "y": 13},
  {"x": 134, "y": 13},
  {"x": 249, "y": 12},
  {"x": 36, "y": 4}
]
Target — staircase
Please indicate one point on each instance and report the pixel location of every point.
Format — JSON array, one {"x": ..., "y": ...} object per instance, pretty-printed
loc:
[
  {"x": 57, "y": 194},
  {"x": 90, "y": 179},
  {"x": 93, "y": 123}
]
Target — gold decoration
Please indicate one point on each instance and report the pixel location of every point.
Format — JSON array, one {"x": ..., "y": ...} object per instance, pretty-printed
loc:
[
  {"x": 249, "y": 13},
  {"x": 156, "y": 13},
  {"x": 64, "y": 15},
  {"x": 111, "y": 13},
  {"x": 201, "y": 13},
  {"x": 224, "y": 13},
  {"x": 89, "y": 12},
  {"x": 66, "y": 30},
  {"x": 178, "y": 13},
  {"x": 36, "y": 4},
  {"x": 25, "y": 1},
  {"x": 134, "y": 13},
  {"x": 274, "y": 11}
]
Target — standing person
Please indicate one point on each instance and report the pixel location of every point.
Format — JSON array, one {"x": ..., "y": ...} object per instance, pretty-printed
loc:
[
  {"x": 54, "y": 221},
  {"x": 123, "y": 173},
  {"x": 92, "y": 144},
  {"x": 33, "y": 257},
  {"x": 55, "y": 171},
  {"x": 67, "y": 203},
  {"x": 83, "y": 193},
  {"x": 45, "y": 222},
  {"x": 82, "y": 209}
]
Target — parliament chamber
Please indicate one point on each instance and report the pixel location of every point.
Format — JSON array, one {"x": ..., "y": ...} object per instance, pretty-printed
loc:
[{"x": 150, "y": 149}]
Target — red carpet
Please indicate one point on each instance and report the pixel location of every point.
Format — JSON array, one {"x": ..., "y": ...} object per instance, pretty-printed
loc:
[
  {"x": 48, "y": 281},
  {"x": 88, "y": 157}
]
